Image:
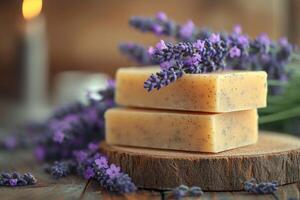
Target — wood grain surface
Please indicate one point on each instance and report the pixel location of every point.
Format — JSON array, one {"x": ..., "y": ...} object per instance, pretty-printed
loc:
[
  {"x": 274, "y": 157},
  {"x": 73, "y": 187}
]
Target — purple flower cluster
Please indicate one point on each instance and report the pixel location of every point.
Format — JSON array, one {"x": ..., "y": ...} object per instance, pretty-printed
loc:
[
  {"x": 244, "y": 53},
  {"x": 71, "y": 138},
  {"x": 260, "y": 188},
  {"x": 72, "y": 127},
  {"x": 90, "y": 164},
  {"x": 16, "y": 179},
  {"x": 199, "y": 57},
  {"x": 183, "y": 191}
]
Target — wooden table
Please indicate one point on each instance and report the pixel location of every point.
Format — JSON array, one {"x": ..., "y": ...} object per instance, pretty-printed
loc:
[{"x": 73, "y": 187}]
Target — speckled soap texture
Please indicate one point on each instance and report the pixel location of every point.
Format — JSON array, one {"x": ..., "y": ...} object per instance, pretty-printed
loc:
[
  {"x": 187, "y": 131},
  {"x": 224, "y": 91}
]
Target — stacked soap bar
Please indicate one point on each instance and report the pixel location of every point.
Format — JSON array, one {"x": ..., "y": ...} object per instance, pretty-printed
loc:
[{"x": 199, "y": 112}]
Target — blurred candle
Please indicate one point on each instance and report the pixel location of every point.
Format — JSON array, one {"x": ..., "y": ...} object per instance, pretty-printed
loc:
[{"x": 35, "y": 55}]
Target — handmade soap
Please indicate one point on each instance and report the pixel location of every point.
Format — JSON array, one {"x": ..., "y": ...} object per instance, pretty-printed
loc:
[
  {"x": 214, "y": 92},
  {"x": 188, "y": 131}
]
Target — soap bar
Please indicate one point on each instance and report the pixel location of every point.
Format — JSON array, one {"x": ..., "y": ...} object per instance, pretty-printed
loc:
[
  {"x": 225, "y": 91},
  {"x": 187, "y": 131}
]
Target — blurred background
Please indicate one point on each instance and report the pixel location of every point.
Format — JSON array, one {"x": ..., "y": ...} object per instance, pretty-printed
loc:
[{"x": 70, "y": 46}]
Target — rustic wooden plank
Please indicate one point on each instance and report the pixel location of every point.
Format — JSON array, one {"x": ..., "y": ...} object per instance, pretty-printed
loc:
[
  {"x": 274, "y": 157},
  {"x": 73, "y": 187},
  {"x": 94, "y": 191}
]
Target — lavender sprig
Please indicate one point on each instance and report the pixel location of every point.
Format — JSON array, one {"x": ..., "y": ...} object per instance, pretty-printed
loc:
[
  {"x": 15, "y": 179},
  {"x": 260, "y": 188},
  {"x": 162, "y": 25},
  {"x": 71, "y": 128},
  {"x": 243, "y": 53},
  {"x": 191, "y": 58},
  {"x": 137, "y": 53}
]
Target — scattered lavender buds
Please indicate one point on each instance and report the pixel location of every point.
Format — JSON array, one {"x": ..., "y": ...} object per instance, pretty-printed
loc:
[
  {"x": 183, "y": 190},
  {"x": 15, "y": 179},
  {"x": 260, "y": 188}
]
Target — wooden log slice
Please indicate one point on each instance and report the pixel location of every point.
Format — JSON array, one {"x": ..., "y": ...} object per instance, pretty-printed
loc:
[{"x": 274, "y": 157}]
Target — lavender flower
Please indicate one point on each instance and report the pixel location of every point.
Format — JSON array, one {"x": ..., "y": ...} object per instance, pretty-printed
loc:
[
  {"x": 113, "y": 171},
  {"x": 245, "y": 54},
  {"x": 192, "y": 58},
  {"x": 163, "y": 78},
  {"x": 15, "y": 179},
  {"x": 162, "y": 25},
  {"x": 137, "y": 53},
  {"x": 260, "y": 188},
  {"x": 101, "y": 163},
  {"x": 60, "y": 168},
  {"x": 89, "y": 173},
  {"x": 186, "y": 30},
  {"x": 234, "y": 52}
]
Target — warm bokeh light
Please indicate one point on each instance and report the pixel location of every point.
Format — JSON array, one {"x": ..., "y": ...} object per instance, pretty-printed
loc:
[{"x": 31, "y": 8}]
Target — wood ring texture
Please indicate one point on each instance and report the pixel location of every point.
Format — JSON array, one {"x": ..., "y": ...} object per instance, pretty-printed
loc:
[{"x": 274, "y": 157}]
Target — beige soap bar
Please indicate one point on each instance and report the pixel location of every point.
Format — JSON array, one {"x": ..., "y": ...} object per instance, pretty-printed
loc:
[
  {"x": 188, "y": 131},
  {"x": 214, "y": 92}
]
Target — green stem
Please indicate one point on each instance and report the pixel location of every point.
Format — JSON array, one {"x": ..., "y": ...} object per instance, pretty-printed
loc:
[{"x": 294, "y": 112}]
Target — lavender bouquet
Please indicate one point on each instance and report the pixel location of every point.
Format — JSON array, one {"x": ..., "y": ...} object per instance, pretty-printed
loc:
[
  {"x": 199, "y": 50},
  {"x": 69, "y": 142}
]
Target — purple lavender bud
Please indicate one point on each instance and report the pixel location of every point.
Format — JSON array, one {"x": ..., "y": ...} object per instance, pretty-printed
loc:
[
  {"x": 166, "y": 64},
  {"x": 89, "y": 173},
  {"x": 161, "y": 45},
  {"x": 264, "y": 39},
  {"x": 283, "y": 42},
  {"x": 58, "y": 136},
  {"x": 199, "y": 45},
  {"x": 136, "y": 52},
  {"x": 39, "y": 153},
  {"x": 101, "y": 163},
  {"x": 93, "y": 147},
  {"x": 243, "y": 40},
  {"x": 10, "y": 142},
  {"x": 113, "y": 171},
  {"x": 187, "y": 29},
  {"x": 234, "y": 52},
  {"x": 237, "y": 29},
  {"x": 157, "y": 29},
  {"x": 80, "y": 156},
  {"x": 151, "y": 51},
  {"x": 215, "y": 38},
  {"x": 161, "y": 16},
  {"x": 13, "y": 182}
]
